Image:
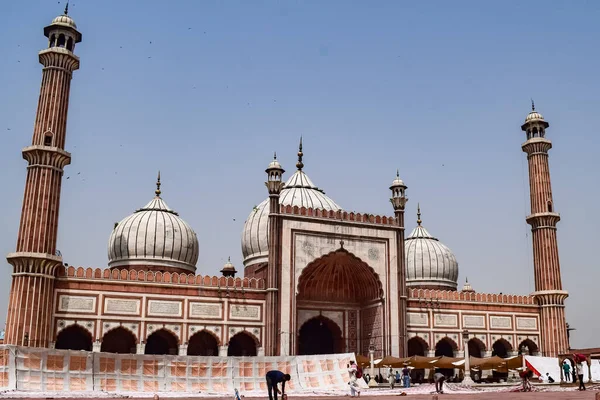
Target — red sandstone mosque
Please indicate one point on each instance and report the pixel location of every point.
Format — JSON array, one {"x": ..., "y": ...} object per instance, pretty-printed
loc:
[{"x": 317, "y": 279}]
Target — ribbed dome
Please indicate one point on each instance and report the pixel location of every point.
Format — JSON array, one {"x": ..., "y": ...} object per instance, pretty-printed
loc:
[
  {"x": 64, "y": 20},
  {"x": 429, "y": 263},
  {"x": 154, "y": 235},
  {"x": 298, "y": 191},
  {"x": 534, "y": 115}
]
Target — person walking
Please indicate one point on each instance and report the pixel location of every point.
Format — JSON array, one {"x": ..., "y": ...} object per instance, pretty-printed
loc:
[
  {"x": 391, "y": 378},
  {"x": 352, "y": 371},
  {"x": 273, "y": 378},
  {"x": 566, "y": 371},
  {"x": 579, "y": 364},
  {"x": 406, "y": 376},
  {"x": 439, "y": 379}
]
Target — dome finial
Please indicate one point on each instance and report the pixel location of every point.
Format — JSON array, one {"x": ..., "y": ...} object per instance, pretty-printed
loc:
[
  {"x": 274, "y": 155},
  {"x": 67, "y": 8},
  {"x": 398, "y": 173},
  {"x": 157, "y": 191},
  {"x": 419, "y": 214},
  {"x": 300, "y": 164},
  {"x": 532, "y": 105}
]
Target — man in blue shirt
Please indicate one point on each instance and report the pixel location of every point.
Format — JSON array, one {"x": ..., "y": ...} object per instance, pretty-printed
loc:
[{"x": 273, "y": 378}]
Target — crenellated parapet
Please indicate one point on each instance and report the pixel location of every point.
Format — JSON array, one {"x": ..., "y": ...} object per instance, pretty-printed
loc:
[
  {"x": 338, "y": 215},
  {"x": 152, "y": 277},
  {"x": 449, "y": 295}
]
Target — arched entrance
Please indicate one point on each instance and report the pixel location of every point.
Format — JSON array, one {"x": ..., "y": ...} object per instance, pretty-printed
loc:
[
  {"x": 119, "y": 340},
  {"x": 162, "y": 342},
  {"x": 241, "y": 345},
  {"x": 342, "y": 279},
  {"x": 446, "y": 347},
  {"x": 203, "y": 344},
  {"x": 328, "y": 333},
  {"x": 528, "y": 348},
  {"x": 74, "y": 337},
  {"x": 417, "y": 346},
  {"x": 501, "y": 348},
  {"x": 476, "y": 348}
]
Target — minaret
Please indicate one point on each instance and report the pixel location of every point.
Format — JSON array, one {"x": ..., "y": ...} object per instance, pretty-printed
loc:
[
  {"x": 274, "y": 184},
  {"x": 543, "y": 219},
  {"x": 36, "y": 259},
  {"x": 399, "y": 201}
]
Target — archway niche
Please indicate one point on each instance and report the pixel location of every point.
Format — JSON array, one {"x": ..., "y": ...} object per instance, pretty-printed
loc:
[
  {"x": 162, "y": 342},
  {"x": 344, "y": 280},
  {"x": 119, "y": 340},
  {"x": 241, "y": 345},
  {"x": 203, "y": 343},
  {"x": 74, "y": 337},
  {"x": 329, "y": 336},
  {"x": 417, "y": 346},
  {"x": 476, "y": 348},
  {"x": 446, "y": 347},
  {"x": 528, "y": 348},
  {"x": 501, "y": 348}
]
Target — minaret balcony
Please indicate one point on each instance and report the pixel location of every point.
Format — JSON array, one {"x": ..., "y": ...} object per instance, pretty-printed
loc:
[
  {"x": 45, "y": 156},
  {"x": 543, "y": 220}
]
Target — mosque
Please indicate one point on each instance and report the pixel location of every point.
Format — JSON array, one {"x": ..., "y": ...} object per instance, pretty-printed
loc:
[{"x": 316, "y": 280}]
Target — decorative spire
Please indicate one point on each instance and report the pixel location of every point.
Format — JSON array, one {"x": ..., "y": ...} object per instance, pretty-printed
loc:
[
  {"x": 398, "y": 173},
  {"x": 300, "y": 164},
  {"x": 532, "y": 105},
  {"x": 157, "y": 191},
  {"x": 419, "y": 214},
  {"x": 67, "y": 8},
  {"x": 274, "y": 155}
]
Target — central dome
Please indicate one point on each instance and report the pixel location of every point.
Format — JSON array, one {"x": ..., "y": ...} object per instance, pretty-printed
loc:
[
  {"x": 153, "y": 237},
  {"x": 299, "y": 191}
]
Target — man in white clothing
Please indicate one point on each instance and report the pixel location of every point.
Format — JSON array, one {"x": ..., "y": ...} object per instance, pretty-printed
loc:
[{"x": 354, "y": 388}]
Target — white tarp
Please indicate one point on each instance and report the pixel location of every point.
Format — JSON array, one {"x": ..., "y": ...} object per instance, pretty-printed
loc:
[
  {"x": 48, "y": 370},
  {"x": 550, "y": 365}
]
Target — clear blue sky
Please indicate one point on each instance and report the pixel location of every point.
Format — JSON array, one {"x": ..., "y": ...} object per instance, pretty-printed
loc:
[{"x": 205, "y": 91}]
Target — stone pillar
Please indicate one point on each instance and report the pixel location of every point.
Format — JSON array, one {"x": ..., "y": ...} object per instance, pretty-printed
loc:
[
  {"x": 140, "y": 348},
  {"x": 96, "y": 346},
  {"x": 223, "y": 351},
  {"x": 183, "y": 350}
]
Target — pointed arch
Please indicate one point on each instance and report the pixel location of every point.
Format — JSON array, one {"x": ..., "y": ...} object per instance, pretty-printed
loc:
[
  {"x": 417, "y": 346},
  {"x": 445, "y": 347},
  {"x": 119, "y": 340},
  {"x": 528, "y": 347},
  {"x": 242, "y": 344},
  {"x": 203, "y": 343},
  {"x": 501, "y": 348},
  {"x": 74, "y": 337},
  {"x": 320, "y": 335},
  {"x": 339, "y": 276},
  {"x": 476, "y": 347},
  {"x": 161, "y": 342}
]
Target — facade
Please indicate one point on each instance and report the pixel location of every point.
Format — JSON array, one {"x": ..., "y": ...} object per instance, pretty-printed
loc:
[{"x": 317, "y": 279}]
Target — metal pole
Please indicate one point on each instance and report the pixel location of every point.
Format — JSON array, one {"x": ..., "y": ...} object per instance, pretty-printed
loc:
[{"x": 467, "y": 379}]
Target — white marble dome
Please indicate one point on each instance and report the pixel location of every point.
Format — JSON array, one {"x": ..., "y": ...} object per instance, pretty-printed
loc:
[
  {"x": 64, "y": 20},
  {"x": 297, "y": 191},
  {"x": 533, "y": 116},
  {"x": 156, "y": 236},
  {"x": 429, "y": 262}
]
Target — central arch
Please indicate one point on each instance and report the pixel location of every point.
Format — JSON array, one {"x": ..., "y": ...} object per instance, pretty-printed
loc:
[
  {"x": 341, "y": 279},
  {"x": 320, "y": 335},
  {"x": 241, "y": 345}
]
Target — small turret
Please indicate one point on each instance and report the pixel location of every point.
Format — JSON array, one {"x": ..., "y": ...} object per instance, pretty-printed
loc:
[{"x": 228, "y": 269}]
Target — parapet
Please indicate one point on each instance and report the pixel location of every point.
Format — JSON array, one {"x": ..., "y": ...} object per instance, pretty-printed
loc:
[
  {"x": 338, "y": 215},
  {"x": 160, "y": 278},
  {"x": 451, "y": 295}
]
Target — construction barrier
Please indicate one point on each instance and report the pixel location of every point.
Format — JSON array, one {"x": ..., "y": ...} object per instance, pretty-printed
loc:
[{"x": 48, "y": 370}]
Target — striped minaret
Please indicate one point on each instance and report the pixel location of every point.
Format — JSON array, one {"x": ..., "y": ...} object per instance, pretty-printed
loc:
[
  {"x": 36, "y": 259},
  {"x": 543, "y": 219}
]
